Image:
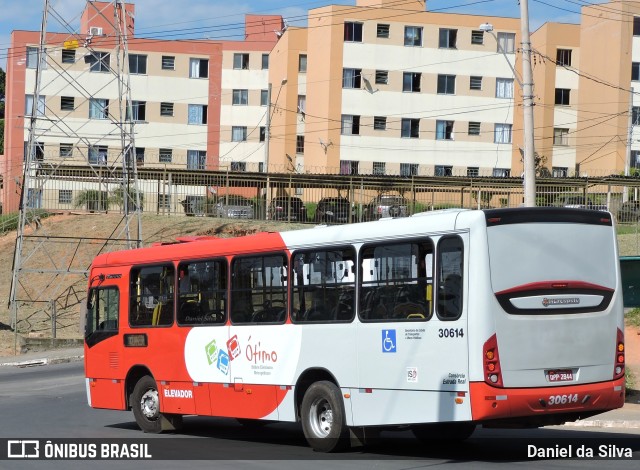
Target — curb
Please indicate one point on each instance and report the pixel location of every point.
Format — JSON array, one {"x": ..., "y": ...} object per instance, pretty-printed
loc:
[
  {"x": 614, "y": 423},
  {"x": 42, "y": 361}
]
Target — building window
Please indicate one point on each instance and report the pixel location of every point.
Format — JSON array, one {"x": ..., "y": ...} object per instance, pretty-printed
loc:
[
  {"x": 560, "y": 136},
  {"x": 563, "y": 57},
  {"x": 351, "y": 78},
  {"x": 300, "y": 144},
  {"x": 560, "y": 171},
  {"x": 348, "y": 167},
  {"x": 636, "y": 25},
  {"x": 382, "y": 77},
  {"x": 140, "y": 155},
  {"x": 241, "y": 97},
  {"x": 635, "y": 115},
  {"x": 100, "y": 61},
  {"x": 138, "y": 64},
  {"x": 379, "y": 123},
  {"x": 241, "y": 61},
  {"x": 446, "y": 84},
  {"x": 504, "y": 88},
  {"x": 67, "y": 103},
  {"x": 98, "y": 155},
  {"x": 382, "y": 31},
  {"x": 65, "y": 196},
  {"x": 350, "y": 125},
  {"x": 68, "y": 56},
  {"x": 32, "y": 58},
  {"x": 302, "y": 63},
  {"x": 562, "y": 96},
  {"x": 238, "y": 133},
  {"x": 66, "y": 150},
  {"x": 197, "y": 114},
  {"x": 164, "y": 201},
  {"x": 477, "y": 37},
  {"x": 635, "y": 158},
  {"x": 302, "y": 104},
  {"x": 28, "y": 105},
  {"x": 166, "y": 109},
  {"x": 506, "y": 43},
  {"x": 444, "y": 130},
  {"x": 38, "y": 151},
  {"x": 502, "y": 134},
  {"x": 196, "y": 159},
  {"x": 198, "y": 68},
  {"x": 138, "y": 111},
  {"x": 475, "y": 83},
  {"x": 410, "y": 128},
  {"x": 165, "y": 155},
  {"x": 501, "y": 172},
  {"x": 379, "y": 168},
  {"x": 263, "y": 133},
  {"x": 447, "y": 38},
  {"x": 635, "y": 71},
  {"x": 474, "y": 128},
  {"x": 443, "y": 170},
  {"x": 413, "y": 36},
  {"x": 408, "y": 169},
  {"x": 238, "y": 166},
  {"x": 98, "y": 108},
  {"x": 265, "y": 61},
  {"x": 168, "y": 62},
  {"x": 352, "y": 32},
  {"x": 411, "y": 82},
  {"x": 473, "y": 171}
]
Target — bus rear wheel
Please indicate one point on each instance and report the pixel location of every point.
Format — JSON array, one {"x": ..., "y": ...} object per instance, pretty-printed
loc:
[
  {"x": 323, "y": 417},
  {"x": 145, "y": 405},
  {"x": 428, "y": 433}
]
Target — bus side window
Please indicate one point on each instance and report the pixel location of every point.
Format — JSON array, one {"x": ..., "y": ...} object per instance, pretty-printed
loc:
[
  {"x": 450, "y": 280},
  {"x": 151, "y": 296}
]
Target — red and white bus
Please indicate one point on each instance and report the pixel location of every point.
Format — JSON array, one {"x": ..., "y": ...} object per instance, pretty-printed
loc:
[{"x": 438, "y": 322}]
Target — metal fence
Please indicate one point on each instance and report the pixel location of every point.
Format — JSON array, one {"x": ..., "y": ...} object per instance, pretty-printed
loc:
[{"x": 224, "y": 194}]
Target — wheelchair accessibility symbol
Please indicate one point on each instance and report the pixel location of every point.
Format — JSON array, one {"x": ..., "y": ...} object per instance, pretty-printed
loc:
[{"x": 388, "y": 341}]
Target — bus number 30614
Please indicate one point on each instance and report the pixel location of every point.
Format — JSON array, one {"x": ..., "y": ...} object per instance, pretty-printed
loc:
[
  {"x": 451, "y": 333},
  {"x": 563, "y": 399}
]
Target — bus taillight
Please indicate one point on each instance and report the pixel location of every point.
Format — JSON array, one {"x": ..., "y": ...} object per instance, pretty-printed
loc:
[
  {"x": 492, "y": 374},
  {"x": 618, "y": 370}
]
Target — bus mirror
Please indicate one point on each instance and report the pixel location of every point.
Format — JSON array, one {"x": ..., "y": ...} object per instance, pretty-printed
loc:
[{"x": 84, "y": 307}]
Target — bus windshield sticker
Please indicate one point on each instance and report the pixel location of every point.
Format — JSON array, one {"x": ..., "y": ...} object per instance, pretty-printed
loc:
[{"x": 388, "y": 341}]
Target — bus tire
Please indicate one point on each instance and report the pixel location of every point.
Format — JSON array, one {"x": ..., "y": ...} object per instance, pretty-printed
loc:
[
  {"x": 428, "y": 433},
  {"x": 145, "y": 404},
  {"x": 323, "y": 417}
]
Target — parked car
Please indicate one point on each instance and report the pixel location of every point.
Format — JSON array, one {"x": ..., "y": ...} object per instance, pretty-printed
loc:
[
  {"x": 578, "y": 201},
  {"x": 193, "y": 205},
  {"x": 287, "y": 208},
  {"x": 629, "y": 212},
  {"x": 333, "y": 210},
  {"x": 386, "y": 205},
  {"x": 231, "y": 206}
]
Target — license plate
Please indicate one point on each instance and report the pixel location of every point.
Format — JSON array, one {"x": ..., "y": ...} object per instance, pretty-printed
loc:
[{"x": 560, "y": 375}]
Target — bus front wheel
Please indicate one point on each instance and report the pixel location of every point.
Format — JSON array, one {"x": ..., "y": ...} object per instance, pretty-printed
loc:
[
  {"x": 145, "y": 404},
  {"x": 323, "y": 417}
]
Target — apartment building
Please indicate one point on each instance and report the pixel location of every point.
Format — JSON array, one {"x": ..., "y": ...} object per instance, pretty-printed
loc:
[
  {"x": 194, "y": 103},
  {"x": 385, "y": 87}
]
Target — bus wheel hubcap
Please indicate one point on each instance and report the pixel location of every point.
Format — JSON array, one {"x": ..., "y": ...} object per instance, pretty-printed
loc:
[
  {"x": 321, "y": 417},
  {"x": 149, "y": 404}
]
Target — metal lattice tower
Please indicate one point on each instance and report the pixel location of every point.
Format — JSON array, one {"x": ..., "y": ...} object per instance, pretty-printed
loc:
[{"x": 50, "y": 270}]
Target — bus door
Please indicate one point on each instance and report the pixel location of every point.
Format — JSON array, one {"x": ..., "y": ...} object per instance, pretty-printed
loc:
[
  {"x": 412, "y": 348},
  {"x": 103, "y": 342}
]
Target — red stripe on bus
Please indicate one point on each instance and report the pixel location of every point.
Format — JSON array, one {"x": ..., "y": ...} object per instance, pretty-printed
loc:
[{"x": 554, "y": 285}]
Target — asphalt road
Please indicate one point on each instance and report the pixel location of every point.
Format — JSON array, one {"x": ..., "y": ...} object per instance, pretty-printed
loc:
[{"x": 49, "y": 403}]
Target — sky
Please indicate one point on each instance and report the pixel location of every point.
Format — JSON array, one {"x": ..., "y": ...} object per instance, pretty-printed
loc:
[{"x": 222, "y": 19}]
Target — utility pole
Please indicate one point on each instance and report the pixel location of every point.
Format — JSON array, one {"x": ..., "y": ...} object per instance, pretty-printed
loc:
[{"x": 527, "y": 91}]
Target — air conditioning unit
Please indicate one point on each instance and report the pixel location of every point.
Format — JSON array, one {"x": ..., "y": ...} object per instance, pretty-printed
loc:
[{"x": 95, "y": 31}]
